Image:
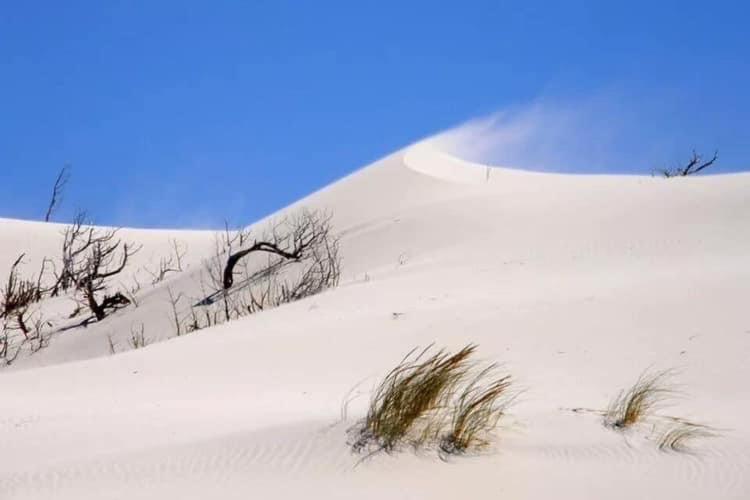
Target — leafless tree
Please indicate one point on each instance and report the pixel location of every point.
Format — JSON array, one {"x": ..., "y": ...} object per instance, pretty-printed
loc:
[
  {"x": 106, "y": 256},
  {"x": 78, "y": 238},
  {"x": 693, "y": 166},
  {"x": 308, "y": 263},
  {"x": 170, "y": 264},
  {"x": 58, "y": 190},
  {"x": 9, "y": 350},
  {"x": 17, "y": 315},
  {"x": 138, "y": 337},
  {"x": 291, "y": 239},
  {"x": 322, "y": 272},
  {"x": 17, "y": 296},
  {"x": 173, "y": 300},
  {"x": 131, "y": 291}
]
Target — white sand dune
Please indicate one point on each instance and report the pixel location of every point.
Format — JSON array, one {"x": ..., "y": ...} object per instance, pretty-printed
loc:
[{"x": 575, "y": 283}]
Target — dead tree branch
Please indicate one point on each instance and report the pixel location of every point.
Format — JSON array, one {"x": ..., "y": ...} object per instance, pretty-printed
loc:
[
  {"x": 16, "y": 314},
  {"x": 17, "y": 296},
  {"x": 693, "y": 166},
  {"x": 78, "y": 237},
  {"x": 107, "y": 256},
  {"x": 169, "y": 264},
  {"x": 58, "y": 190},
  {"x": 292, "y": 239}
]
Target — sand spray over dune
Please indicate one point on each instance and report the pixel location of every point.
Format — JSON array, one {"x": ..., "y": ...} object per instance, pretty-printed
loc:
[
  {"x": 611, "y": 131},
  {"x": 574, "y": 285}
]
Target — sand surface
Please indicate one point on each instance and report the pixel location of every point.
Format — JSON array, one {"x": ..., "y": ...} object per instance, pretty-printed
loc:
[{"x": 575, "y": 283}]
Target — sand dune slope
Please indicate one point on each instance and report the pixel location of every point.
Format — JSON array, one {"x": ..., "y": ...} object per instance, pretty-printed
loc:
[{"x": 575, "y": 283}]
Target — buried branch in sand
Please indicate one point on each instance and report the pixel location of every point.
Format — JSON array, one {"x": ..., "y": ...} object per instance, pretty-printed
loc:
[{"x": 433, "y": 400}]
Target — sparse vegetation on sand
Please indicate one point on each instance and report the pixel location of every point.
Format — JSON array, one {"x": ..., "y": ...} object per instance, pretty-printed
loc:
[
  {"x": 679, "y": 436},
  {"x": 138, "y": 338},
  {"x": 477, "y": 410},
  {"x": 639, "y": 401},
  {"x": 295, "y": 257},
  {"x": 433, "y": 400}
]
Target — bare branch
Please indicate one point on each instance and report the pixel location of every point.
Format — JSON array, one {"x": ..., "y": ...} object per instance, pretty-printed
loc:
[
  {"x": 101, "y": 263},
  {"x": 169, "y": 264},
  {"x": 301, "y": 235},
  {"x": 693, "y": 166},
  {"x": 58, "y": 190}
]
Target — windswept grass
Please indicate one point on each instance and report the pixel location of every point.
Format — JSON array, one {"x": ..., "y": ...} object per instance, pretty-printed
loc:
[
  {"x": 679, "y": 436},
  {"x": 426, "y": 401},
  {"x": 636, "y": 403},
  {"x": 476, "y": 413},
  {"x": 640, "y": 402},
  {"x": 416, "y": 387}
]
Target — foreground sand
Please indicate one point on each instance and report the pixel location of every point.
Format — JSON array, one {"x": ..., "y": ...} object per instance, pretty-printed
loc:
[{"x": 575, "y": 283}]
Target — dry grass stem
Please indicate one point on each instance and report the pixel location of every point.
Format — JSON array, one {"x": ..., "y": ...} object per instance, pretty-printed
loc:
[
  {"x": 477, "y": 411},
  {"x": 680, "y": 436},
  {"x": 436, "y": 399},
  {"x": 639, "y": 401}
]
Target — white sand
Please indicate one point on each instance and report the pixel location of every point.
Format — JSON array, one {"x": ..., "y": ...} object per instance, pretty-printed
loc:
[{"x": 575, "y": 283}]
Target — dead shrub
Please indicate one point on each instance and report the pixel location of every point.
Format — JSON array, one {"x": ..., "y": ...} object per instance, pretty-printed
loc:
[
  {"x": 137, "y": 338},
  {"x": 302, "y": 259}
]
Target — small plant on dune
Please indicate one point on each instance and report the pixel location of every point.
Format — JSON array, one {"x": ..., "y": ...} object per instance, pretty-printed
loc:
[
  {"x": 679, "y": 436},
  {"x": 172, "y": 263},
  {"x": 17, "y": 296},
  {"x": 417, "y": 387},
  {"x": 137, "y": 338},
  {"x": 476, "y": 412},
  {"x": 21, "y": 321},
  {"x": 636, "y": 403},
  {"x": 437, "y": 400},
  {"x": 111, "y": 344}
]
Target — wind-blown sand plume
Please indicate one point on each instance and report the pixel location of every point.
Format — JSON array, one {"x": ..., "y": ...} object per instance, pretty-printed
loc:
[{"x": 571, "y": 281}]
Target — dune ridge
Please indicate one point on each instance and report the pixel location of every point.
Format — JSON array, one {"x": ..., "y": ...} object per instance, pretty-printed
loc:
[{"x": 575, "y": 283}]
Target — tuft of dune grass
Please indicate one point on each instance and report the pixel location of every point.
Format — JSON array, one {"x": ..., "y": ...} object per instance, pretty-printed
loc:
[
  {"x": 415, "y": 388},
  {"x": 477, "y": 410},
  {"x": 433, "y": 399},
  {"x": 639, "y": 401}
]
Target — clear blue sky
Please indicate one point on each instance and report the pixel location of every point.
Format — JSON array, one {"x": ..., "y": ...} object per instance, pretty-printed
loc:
[{"x": 189, "y": 113}]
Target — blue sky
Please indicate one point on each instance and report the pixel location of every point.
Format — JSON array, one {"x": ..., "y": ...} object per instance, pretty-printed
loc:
[{"x": 189, "y": 113}]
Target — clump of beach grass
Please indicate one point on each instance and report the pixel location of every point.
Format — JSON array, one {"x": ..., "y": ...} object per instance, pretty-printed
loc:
[
  {"x": 476, "y": 412},
  {"x": 633, "y": 405},
  {"x": 417, "y": 387},
  {"x": 433, "y": 400}
]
